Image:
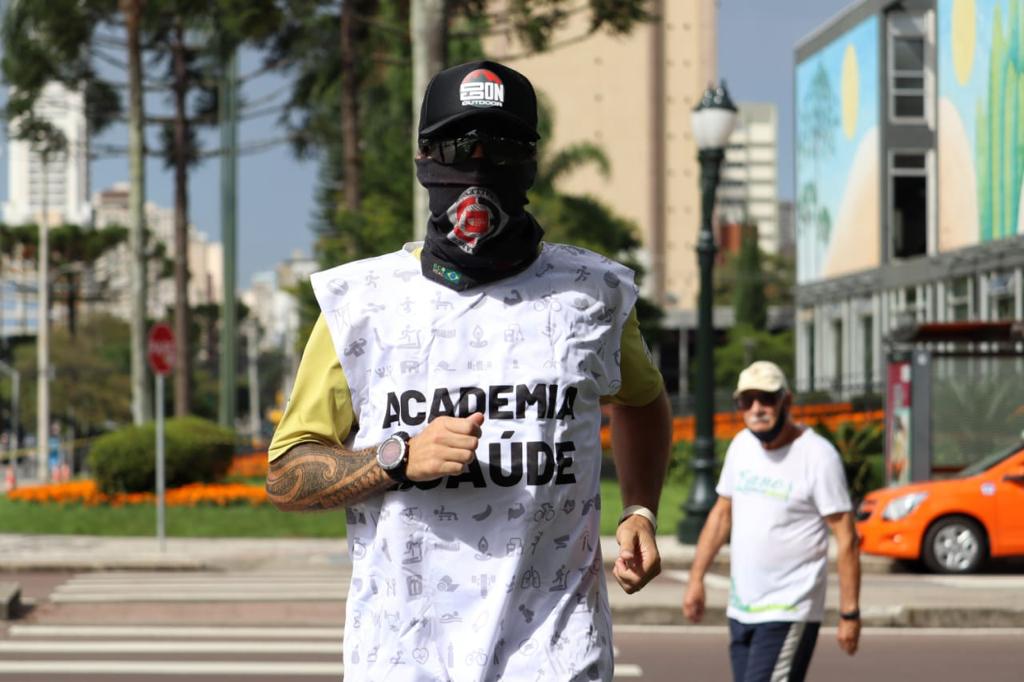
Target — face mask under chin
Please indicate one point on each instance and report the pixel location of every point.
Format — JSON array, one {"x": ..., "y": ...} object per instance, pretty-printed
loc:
[{"x": 771, "y": 434}]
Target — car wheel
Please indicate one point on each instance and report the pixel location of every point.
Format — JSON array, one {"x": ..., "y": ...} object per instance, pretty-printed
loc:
[{"x": 955, "y": 544}]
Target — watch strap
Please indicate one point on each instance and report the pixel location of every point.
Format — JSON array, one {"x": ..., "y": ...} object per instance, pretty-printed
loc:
[
  {"x": 639, "y": 510},
  {"x": 850, "y": 615}
]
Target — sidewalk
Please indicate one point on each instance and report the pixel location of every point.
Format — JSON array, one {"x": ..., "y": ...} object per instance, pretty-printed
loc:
[{"x": 887, "y": 598}]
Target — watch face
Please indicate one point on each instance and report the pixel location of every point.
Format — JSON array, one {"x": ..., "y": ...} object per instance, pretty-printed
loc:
[{"x": 390, "y": 453}]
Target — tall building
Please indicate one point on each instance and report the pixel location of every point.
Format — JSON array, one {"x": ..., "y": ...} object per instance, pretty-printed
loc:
[
  {"x": 908, "y": 183},
  {"x": 787, "y": 229},
  {"x": 66, "y": 179},
  {"x": 632, "y": 95},
  {"x": 206, "y": 268},
  {"x": 748, "y": 191},
  {"x": 276, "y": 309}
]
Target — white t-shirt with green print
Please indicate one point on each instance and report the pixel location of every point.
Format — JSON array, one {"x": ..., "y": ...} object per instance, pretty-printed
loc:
[{"x": 779, "y": 543}]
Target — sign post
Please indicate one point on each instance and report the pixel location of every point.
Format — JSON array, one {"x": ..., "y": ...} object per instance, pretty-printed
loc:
[{"x": 160, "y": 353}]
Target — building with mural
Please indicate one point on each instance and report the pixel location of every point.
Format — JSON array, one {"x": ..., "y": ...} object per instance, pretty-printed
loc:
[{"x": 909, "y": 175}]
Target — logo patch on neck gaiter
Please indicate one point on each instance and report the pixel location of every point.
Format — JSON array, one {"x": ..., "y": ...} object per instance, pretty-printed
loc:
[{"x": 476, "y": 216}]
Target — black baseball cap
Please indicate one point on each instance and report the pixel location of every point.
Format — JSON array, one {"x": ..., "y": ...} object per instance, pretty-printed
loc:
[{"x": 479, "y": 93}]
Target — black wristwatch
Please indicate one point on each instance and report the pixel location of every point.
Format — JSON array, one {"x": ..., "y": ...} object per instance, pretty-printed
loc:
[
  {"x": 850, "y": 615},
  {"x": 393, "y": 456}
]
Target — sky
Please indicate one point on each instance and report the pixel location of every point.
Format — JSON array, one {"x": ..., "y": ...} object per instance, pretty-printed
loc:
[{"x": 276, "y": 191}]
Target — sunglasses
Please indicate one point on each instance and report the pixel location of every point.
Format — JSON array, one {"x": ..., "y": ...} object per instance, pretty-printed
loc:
[
  {"x": 745, "y": 400},
  {"x": 498, "y": 150}
]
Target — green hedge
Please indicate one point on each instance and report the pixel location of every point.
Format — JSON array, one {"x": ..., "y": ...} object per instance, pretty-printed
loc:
[{"x": 196, "y": 450}]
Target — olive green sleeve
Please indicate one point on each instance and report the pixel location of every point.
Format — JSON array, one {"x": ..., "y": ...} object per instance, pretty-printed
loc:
[
  {"x": 641, "y": 380},
  {"x": 319, "y": 409}
]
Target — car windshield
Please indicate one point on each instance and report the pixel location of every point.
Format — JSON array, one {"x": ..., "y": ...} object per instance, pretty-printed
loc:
[{"x": 986, "y": 463}]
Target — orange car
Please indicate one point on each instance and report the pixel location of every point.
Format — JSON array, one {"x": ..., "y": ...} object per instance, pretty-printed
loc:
[{"x": 952, "y": 525}]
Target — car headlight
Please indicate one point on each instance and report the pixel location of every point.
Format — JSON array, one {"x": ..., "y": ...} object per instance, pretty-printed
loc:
[{"x": 899, "y": 507}]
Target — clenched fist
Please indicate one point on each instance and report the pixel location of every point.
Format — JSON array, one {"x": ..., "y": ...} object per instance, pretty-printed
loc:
[{"x": 444, "y": 448}]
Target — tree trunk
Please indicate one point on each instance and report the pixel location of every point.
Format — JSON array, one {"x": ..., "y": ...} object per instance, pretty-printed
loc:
[
  {"x": 428, "y": 32},
  {"x": 352, "y": 174},
  {"x": 141, "y": 406},
  {"x": 182, "y": 369},
  {"x": 73, "y": 283}
]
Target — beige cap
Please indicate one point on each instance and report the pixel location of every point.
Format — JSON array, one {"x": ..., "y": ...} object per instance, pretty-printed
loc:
[{"x": 761, "y": 376}]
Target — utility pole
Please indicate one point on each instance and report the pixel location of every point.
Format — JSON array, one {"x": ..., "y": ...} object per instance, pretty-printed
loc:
[
  {"x": 228, "y": 205},
  {"x": 141, "y": 407},
  {"x": 428, "y": 33},
  {"x": 43, "y": 332},
  {"x": 252, "y": 346}
]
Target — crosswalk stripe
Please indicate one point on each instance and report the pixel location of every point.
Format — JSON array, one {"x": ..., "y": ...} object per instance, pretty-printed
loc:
[
  {"x": 141, "y": 585},
  {"x": 154, "y": 647},
  {"x": 127, "y": 576},
  {"x": 176, "y": 632},
  {"x": 192, "y": 596},
  {"x": 260, "y": 668}
]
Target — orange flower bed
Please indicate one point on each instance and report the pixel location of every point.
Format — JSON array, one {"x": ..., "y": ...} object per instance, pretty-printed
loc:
[
  {"x": 728, "y": 424},
  {"x": 248, "y": 466},
  {"x": 194, "y": 494}
]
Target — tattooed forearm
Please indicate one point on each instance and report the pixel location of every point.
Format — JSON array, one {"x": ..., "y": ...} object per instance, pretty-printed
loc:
[{"x": 314, "y": 476}]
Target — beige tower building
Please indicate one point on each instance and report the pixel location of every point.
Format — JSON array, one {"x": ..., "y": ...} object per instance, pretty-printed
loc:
[{"x": 632, "y": 95}]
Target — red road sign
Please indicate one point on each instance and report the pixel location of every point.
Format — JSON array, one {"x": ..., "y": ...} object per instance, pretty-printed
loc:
[{"x": 160, "y": 351}]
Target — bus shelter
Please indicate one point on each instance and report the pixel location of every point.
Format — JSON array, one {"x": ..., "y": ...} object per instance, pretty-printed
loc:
[{"x": 954, "y": 394}]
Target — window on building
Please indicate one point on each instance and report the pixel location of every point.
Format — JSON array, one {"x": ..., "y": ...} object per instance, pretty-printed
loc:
[
  {"x": 958, "y": 300},
  {"x": 909, "y": 61},
  {"x": 908, "y": 210},
  {"x": 1002, "y": 297}
]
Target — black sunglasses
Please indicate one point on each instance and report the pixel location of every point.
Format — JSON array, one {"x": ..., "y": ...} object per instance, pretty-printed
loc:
[
  {"x": 498, "y": 150},
  {"x": 745, "y": 400}
]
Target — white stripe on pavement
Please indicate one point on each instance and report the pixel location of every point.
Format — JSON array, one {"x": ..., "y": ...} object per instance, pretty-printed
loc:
[
  {"x": 115, "y": 597},
  {"x": 180, "y": 632},
  {"x": 206, "y": 584},
  {"x": 181, "y": 589},
  {"x": 158, "y": 647},
  {"x": 262, "y": 668}
]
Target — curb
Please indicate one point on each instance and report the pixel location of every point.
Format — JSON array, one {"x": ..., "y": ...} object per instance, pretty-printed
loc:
[{"x": 62, "y": 564}]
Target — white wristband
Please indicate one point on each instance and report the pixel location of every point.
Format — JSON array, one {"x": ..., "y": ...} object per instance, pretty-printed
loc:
[{"x": 639, "y": 510}]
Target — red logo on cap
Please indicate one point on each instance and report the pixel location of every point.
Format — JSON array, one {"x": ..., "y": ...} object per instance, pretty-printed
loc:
[{"x": 482, "y": 88}]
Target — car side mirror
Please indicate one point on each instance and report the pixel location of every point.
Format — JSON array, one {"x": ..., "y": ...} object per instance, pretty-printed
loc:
[{"x": 1015, "y": 475}]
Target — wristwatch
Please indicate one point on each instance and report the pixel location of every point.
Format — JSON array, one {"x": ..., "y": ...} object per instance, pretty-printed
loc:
[
  {"x": 850, "y": 615},
  {"x": 393, "y": 455}
]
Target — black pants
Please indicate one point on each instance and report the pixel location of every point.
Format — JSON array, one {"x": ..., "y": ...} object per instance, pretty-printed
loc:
[{"x": 771, "y": 652}]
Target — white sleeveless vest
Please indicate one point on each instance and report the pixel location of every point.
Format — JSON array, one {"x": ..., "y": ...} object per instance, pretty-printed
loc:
[{"x": 495, "y": 573}]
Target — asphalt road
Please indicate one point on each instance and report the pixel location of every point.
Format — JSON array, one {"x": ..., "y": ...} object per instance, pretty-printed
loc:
[{"x": 223, "y": 627}]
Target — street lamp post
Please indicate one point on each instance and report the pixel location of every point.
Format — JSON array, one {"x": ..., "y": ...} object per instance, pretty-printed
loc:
[{"x": 713, "y": 121}]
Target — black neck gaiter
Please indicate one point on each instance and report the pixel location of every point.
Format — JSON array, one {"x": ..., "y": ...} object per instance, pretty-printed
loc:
[
  {"x": 478, "y": 231},
  {"x": 771, "y": 434}
]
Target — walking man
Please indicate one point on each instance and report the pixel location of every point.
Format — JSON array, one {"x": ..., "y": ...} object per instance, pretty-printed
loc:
[
  {"x": 449, "y": 398},
  {"x": 781, "y": 489}
]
